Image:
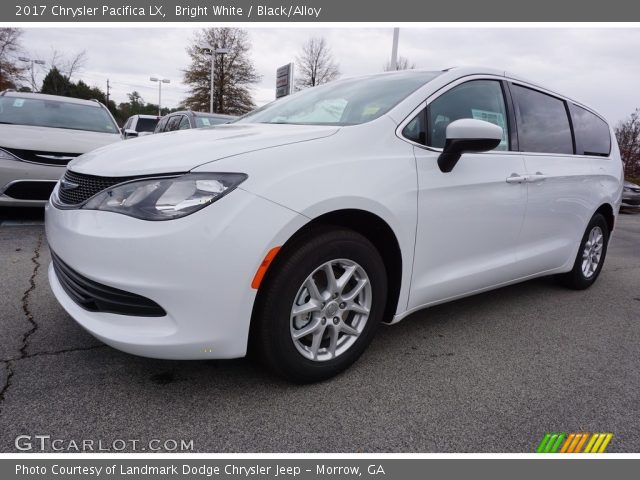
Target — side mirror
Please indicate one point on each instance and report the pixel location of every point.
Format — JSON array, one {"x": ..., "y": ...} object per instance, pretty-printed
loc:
[
  {"x": 468, "y": 135},
  {"x": 129, "y": 133}
]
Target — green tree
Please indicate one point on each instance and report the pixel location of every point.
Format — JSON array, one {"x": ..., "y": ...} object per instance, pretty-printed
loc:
[
  {"x": 54, "y": 83},
  {"x": 234, "y": 72}
]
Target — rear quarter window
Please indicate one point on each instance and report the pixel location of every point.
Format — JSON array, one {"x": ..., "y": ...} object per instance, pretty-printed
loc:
[{"x": 592, "y": 133}]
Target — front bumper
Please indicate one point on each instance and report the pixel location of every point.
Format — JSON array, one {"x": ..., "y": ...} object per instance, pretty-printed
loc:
[
  {"x": 630, "y": 200},
  {"x": 15, "y": 173},
  {"x": 198, "y": 269}
]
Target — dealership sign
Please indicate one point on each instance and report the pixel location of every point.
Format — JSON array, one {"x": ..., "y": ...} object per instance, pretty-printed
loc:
[{"x": 284, "y": 80}]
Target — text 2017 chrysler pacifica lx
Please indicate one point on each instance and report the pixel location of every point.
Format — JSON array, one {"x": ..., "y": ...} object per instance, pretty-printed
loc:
[{"x": 302, "y": 226}]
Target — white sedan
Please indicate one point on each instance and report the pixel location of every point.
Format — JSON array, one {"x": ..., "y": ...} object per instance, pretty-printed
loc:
[{"x": 302, "y": 226}]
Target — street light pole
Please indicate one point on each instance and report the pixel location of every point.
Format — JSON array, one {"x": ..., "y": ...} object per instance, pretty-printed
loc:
[
  {"x": 32, "y": 62},
  {"x": 394, "y": 49},
  {"x": 160, "y": 82},
  {"x": 213, "y": 52}
]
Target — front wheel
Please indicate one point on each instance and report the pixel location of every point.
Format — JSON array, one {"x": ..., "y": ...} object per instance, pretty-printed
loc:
[
  {"x": 591, "y": 255},
  {"x": 321, "y": 307}
]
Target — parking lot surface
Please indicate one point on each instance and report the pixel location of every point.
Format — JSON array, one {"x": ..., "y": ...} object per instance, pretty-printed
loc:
[{"x": 490, "y": 373}]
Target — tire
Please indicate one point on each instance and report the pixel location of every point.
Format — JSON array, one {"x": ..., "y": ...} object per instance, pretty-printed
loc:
[
  {"x": 581, "y": 277},
  {"x": 297, "y": 268}
]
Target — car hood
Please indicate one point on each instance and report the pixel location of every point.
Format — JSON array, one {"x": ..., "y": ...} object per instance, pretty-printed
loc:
[
  {"x": 184, "y": 150},
  {"x": 47, "y": 139}
]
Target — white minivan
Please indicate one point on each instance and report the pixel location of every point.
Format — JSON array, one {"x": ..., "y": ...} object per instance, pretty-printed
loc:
[{"x": 302, "y": 226}]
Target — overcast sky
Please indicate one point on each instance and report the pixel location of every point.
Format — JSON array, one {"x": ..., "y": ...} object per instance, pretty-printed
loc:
[{"x": 596, "y": 66}]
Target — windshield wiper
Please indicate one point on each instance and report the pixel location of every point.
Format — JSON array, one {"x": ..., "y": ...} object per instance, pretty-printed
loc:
[{"x": 7, "y": 123}]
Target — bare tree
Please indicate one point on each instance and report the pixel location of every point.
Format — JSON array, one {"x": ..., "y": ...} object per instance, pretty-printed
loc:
[
  {"x": 234, "y": 72},
  {"x": 402, "y": 63},
  {"x": 315, "y": 64},
  {"x": 628, "y": 136},
  {"x": 10, "y": 72},
  {"x": 68, "y": 64}
]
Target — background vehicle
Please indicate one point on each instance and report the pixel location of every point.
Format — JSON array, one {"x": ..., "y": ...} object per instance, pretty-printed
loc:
[
  {"x": 139, "y": 126},
  {"x": 311, "y": 220},
  {"x": 630, "y": 196},
  {"x": 188, "y": 119},
  {"x": 39, "y": 135}
]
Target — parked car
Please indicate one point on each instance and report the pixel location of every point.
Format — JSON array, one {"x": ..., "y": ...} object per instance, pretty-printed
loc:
[
  {"x": 631, "y": 196},
  {"x": 39, "y": 135},
  {"x": 139, "y": 126},
  {"x": 187, "y": 119},
  {"x": 305, "y": 224}
]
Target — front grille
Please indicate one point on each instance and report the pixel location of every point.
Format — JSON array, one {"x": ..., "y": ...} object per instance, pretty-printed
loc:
[
  {"x": 42, "y": 157},
  {"x": 96, "y": 297},
  {"x": 30, "y": 190},
  {"x": 87, "y": 187}
]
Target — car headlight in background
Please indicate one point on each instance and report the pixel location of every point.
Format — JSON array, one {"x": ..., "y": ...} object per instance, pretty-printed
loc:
[{"x": 165, "y": 198}]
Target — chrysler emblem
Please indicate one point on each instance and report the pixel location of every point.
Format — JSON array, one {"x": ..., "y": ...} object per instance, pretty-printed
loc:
[{"x": 67, "y": 185}]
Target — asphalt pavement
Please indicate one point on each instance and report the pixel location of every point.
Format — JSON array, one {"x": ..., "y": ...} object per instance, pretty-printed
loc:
[{"x": 489, "y": 373}]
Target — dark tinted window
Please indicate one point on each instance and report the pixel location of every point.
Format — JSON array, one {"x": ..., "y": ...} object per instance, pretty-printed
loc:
[
  {"x": 478, "y": 99},
  {"x": 592, "y": 133},
  {"x": 146, "y": 124},
  {"x": 173, "y": 124},
  {"x": 543, "y": 125},
  {"x": 160, "y": 127},
  {"x": 184, "y": 123}
]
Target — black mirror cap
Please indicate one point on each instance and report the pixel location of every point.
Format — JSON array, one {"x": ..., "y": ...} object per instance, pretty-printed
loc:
[{"x": 455, "y": 147}]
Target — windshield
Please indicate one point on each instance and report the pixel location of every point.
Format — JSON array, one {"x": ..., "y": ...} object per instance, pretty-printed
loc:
[
  {"x": 40, "y": 112},
  {"x": 345, "y": 102}
]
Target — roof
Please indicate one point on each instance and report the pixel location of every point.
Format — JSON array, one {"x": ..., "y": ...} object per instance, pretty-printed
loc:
[
  {"x": 202, "y": 114},
  {"x": 51, "y": 98}
]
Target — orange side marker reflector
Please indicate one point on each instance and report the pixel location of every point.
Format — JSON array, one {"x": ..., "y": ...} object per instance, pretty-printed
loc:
[{"x": 262, "y": 269}]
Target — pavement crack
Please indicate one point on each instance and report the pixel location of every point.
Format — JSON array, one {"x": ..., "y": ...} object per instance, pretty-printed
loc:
[
  {"x": 7, "y": 383},
  {"x": 53, "y": 353},
  {"x": 10, "y": 364},
  {"x": 27, "y": 296}
]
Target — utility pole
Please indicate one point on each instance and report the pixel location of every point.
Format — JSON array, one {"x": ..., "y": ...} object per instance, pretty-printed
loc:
[{"x": 108, "y": 89}]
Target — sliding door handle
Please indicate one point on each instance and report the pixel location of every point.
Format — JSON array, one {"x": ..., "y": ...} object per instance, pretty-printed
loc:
[
  {"x": 537, "y": 177},
  {"x": 515, "y": 178}
]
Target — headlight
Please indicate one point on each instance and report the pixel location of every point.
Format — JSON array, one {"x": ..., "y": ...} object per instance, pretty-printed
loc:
[
  {"x": 166, "y": 198},
  {"x": 4, "y": 155}
]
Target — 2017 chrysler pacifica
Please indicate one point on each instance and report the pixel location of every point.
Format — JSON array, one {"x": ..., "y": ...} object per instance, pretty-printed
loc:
[{"x": 305, "y": 224}]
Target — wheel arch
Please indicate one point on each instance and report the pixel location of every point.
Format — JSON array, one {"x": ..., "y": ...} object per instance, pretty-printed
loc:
[
  {"x": 368, "y": 224},
  {"x": 606, "y": 210}
]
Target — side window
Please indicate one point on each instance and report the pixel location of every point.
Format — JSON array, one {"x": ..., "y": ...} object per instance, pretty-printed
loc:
[
  {"x": 184, "y": 123},
  {"x": 478, "y": 99},
  {"x": 173, "y": 123},
  {"x": 127, "y": 124},
  {"x": 416, "y": 128},
  {"x": 543, "y": 124},
  {"x": 592, "y": 133},
  {"x": 161, "y": 124}
]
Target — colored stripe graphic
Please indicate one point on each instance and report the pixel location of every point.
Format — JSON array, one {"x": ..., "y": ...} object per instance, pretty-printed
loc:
[{"x": 574, "y": 443}]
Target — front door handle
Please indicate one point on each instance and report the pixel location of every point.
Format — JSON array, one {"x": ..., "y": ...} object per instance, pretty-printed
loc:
[{"x": 515, "y": 178}]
